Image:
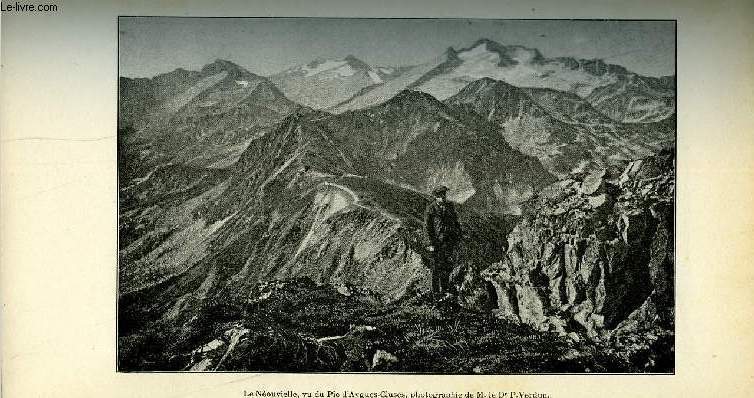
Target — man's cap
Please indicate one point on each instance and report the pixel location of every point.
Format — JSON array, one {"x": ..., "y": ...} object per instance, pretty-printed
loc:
[{"x": 440, "y": 190}]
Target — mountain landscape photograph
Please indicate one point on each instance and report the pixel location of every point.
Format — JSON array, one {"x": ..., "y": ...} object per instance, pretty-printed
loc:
[{"x": 432, "y": 196}]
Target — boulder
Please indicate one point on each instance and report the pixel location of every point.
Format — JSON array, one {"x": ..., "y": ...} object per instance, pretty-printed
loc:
[
  {"x": 383, "y": 360},
  {"x": 630, "y": 172},
  {"x": 344, "y": 290},
  {"x": 531, "y": 308},
  {"x": 597, "y": 201},
  {"x": 593, "y": 183}
]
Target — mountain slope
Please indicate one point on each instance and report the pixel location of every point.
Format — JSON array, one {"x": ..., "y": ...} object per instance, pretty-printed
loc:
[
  {"x": 324, "y": 83},
  {"x": 374, "y": 95},
  {"x": 566, "y": 107},
  {"x": 291, "y": 209},
  {"x": 417, "y": 141},
  {"x": 139, "y": 98},
  {"x": 527, "y": 124},
  {"x": 198, "y": 118},
  {"x": 300, "y": 179},
  {"x": 268, "y": 216},
  {"x": 636, "y": 99}
]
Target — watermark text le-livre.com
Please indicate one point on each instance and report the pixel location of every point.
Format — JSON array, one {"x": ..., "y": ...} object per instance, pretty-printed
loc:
[{"x": 27, "y": 7}]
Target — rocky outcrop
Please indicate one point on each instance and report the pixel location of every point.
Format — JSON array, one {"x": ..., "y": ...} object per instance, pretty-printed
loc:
[{"x": 593, "y": 257}]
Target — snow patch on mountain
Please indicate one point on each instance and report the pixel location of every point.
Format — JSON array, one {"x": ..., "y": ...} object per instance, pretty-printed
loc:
[
  {"x": 375, "y": 77},
  {"x": 345, "y": 70},
  {"x": 515, "y": 65},
  {"x": 455, "y": 177},
  {"x": 328, "y": 202},
  {"x": 383, "y": 92},
  {"x": 479, "y": 52},
  {"x": 321, "y": 67}
]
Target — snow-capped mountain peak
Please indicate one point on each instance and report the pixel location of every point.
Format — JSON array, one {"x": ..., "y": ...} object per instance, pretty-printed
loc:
[
  {"x": 488, "y": 50},
  {"x": 324, "y": 83},
  {"x": 518, "y": 65}
]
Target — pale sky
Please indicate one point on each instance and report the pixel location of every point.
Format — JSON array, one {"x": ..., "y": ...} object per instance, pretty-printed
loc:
[{"x": 154, "y": 45}]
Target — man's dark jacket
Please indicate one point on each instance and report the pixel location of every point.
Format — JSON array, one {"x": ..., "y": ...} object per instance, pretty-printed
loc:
[{"x": 441, "y": 224}]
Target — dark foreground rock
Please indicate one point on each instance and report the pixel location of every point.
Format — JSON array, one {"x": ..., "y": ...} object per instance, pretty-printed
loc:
[
  {"x": 299, "y": 326},
  {"x": 594, "y": 259}
]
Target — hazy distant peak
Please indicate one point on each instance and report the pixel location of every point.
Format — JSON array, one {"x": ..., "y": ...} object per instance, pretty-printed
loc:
[
  {"x": 222, "y": 65},
  {"x": 356, "y": 62}
]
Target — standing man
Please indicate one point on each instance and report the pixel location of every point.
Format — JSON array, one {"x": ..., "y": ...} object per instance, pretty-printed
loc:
[{"x": 444, "y": 232}]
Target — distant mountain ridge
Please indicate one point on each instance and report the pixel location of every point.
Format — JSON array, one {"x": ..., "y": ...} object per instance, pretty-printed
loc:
[
  {"x": 337, "y": 85},
  {"x": 517, "y": 65},
  {"x": 323, "y": 83},
  {"x": 600, "y": 83},
  {"x": 564, "y": 132}
]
